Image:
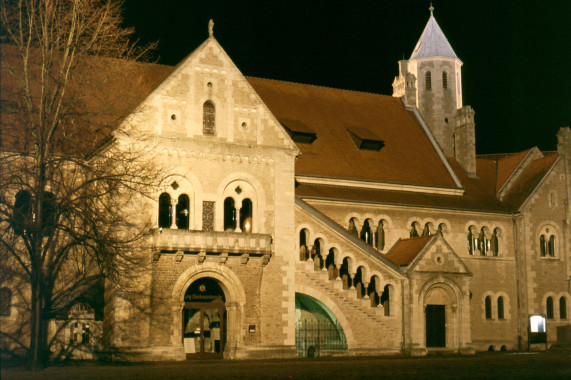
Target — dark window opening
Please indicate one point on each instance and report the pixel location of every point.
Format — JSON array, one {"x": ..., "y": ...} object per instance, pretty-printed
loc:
[
  {"x": 22, "y": 212},
  {"x": 183, "y": 212},
  {"x": 5, "y": 301},
  {"x": 165, "y": 211},
  {"x": 366, "y": 235},
  {"x": 562, "y": 308},
  {"x": 428, "y": 81},
  {"x": 246, "y": 216},
  {"x": 386, "y": 300},
  {"x": 299, "y": 132},
  {"x": 353, "y": 227},
  {"x": 229, "y": 215},
  {"x": 488, "y": 306},
  {"x": 380, "y": 236},
  {"x": 413, "y": 230},
  {"x": 551, "y": 246},
  {"x": 500, "y": 307},
  {"x": 444, "y": 80},
  {"x": 549, "y": 307}
]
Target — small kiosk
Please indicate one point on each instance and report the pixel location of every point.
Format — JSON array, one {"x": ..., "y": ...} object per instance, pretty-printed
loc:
[{"x": 537, "y": 331}]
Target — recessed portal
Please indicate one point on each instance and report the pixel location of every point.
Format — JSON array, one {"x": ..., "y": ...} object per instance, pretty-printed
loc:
[
  {"x": 435, "y": 326},
  {"x": 204, "y": 319}
]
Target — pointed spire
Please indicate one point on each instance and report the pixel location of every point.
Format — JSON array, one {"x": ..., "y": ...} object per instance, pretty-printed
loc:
[
  {"x": 432, "y": 42},
  {"x": 211, "y": 28}
]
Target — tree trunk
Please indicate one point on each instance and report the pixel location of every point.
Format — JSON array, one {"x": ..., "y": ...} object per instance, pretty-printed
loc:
[{"x": 35, "y": 354}]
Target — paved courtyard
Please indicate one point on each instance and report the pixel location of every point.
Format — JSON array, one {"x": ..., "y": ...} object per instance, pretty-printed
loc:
[{"x": 482, "y": 366}]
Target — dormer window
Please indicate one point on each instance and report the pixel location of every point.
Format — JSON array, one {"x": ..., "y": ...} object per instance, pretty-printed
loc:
[
  {"x": 298, "y": 131},
  {"x": 208, "y": 118},
  {"x": 365, "y": 139}
]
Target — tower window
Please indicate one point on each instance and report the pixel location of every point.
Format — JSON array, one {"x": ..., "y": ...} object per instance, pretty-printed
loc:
[
  {"x": 428, "y": 81},
  {"x": 444, "y": 80},
  {"x": 229, "y": 215},
  {"x": 182, "y": 212},
  {"x": 562, "y": 308},
  {"x": 208, "y": 118}
]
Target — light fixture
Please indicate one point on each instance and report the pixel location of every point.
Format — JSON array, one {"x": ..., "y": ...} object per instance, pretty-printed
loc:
[{"x": 248, "y": 225}]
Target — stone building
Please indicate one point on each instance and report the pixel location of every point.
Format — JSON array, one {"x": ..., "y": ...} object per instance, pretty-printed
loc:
[{"x": 304, "y": 220}]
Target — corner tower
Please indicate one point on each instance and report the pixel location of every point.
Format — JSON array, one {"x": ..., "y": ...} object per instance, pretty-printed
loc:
[{"x": 431, "y": 80}]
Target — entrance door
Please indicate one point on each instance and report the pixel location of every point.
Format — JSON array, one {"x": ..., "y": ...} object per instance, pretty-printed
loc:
[
  {"x": 204, "y": 330},
  {"x": 204, "y": 319},
  {"x": 435, "y": 326}
]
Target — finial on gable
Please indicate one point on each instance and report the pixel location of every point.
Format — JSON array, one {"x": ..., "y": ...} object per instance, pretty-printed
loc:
[
  {"x": 211, "y": 28},
  {"x": 431, "y": 8}
]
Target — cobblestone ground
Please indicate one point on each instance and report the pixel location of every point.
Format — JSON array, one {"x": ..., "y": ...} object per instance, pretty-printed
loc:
[{"x": 482, "y": 366}]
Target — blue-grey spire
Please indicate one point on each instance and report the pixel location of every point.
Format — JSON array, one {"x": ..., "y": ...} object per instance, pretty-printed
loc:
[{"x": 432, "y": 42}]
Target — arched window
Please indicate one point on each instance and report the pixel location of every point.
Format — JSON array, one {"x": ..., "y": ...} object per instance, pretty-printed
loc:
[
  {"x": 353, "y": 227},
  {"x": 330, "y": 265},
  {"x": 380, "y": 236},
  {"x": 551, "y": 246},
  {"x": 542, "y": 246},
  {"x": 22, "y": 212},
  {"x": 500, "y": 307},
  {"x": 549, "y": 307},
  {"x": 372, "y": 291},
  {"x": 182, "y": 212},
  {"x": 483, "y": 242},
  {"x": 366, "y": 235},
  {"x": 229, "y": 214},
  {"x": 413, "y": 230},
  {"x": 303, "y": 245},
  {"x": 246, "y": 216},
  {"x": 49, "y": 216},
  {"x": 472, "y": 241},
  {"x": 494, "y": 243},
  {"x": 428, "y": 81},
  {"x": 386, "y": 299},
  {"x": 165, "y": 211},
  {"x": 562, "y": 308},
  {"x": 444, "y": 80},
  {"x": 208, "y": 118},
  {"x": 358, "y": 283},
  {"x": 344, "y": 273},
  {"x": 426, "y": 231},
  {"x": 5, "y": 301},
  {"x": 488, "y": 307}
]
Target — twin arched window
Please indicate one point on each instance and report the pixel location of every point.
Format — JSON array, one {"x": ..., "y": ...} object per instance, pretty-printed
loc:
[
  {"x": 208, "y": 118},
  {"x": 242, "y": 215},
  {"x": 547, "y": 245},
  {"x": 181, "y": 210},
  {"x": 549, "y": 308},
  {"x": 488, "y": 307},
  {"x": 24, "y": 216}
]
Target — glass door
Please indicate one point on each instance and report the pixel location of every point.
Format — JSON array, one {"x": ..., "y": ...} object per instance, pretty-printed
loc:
[{"x": 204, "y": 330}]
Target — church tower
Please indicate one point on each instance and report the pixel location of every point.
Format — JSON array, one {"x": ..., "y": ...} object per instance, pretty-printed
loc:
[{"x": 431, "y": 80}]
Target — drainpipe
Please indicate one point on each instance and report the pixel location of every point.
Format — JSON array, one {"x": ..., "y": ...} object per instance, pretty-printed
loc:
[
  {"x": 517, "y": 272},
  {"x": 402, "y": 318}
]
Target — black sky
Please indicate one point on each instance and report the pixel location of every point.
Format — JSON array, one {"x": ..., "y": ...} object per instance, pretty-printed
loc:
[{"x": 516, "y": 53}]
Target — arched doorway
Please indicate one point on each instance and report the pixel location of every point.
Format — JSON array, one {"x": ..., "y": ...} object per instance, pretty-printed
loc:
[
  {"x": 204, "y": 319},
  {"x": 440, "y": 310}
]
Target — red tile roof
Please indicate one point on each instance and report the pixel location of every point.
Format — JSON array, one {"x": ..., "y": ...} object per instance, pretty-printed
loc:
[
  {"x": 405, "y": 250},
  {"x": 408, "y": 156},
  {"x": 529, "y": 179}
]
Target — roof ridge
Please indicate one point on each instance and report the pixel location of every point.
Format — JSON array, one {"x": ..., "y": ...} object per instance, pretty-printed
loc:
[{"x": 320, "y": 86}]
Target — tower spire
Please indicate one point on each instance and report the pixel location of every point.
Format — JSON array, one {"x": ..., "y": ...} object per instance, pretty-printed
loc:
[{"x": 431, "y": 8}]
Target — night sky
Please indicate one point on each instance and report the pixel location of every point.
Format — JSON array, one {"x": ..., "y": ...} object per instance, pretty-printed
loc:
[{"x": 516, "y": 53}]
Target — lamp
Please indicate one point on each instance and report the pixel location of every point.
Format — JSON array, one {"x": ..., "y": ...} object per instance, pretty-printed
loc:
[{"x": 248, "y": 225}]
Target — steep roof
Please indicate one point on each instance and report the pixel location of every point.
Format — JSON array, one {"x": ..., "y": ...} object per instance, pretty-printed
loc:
[
  {"x": 432, "y": 42},
  {"x": 530, "y": 179},
  {"x": 405, "y": 250},
  {"x": 407, "y": 155}
]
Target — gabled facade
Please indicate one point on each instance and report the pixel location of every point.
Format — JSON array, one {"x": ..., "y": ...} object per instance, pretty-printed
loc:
[{"x": 298, "y": 220}]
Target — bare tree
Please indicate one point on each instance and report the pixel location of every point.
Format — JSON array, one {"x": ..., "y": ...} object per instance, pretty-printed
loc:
[{"x": 74, "y": 172}]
